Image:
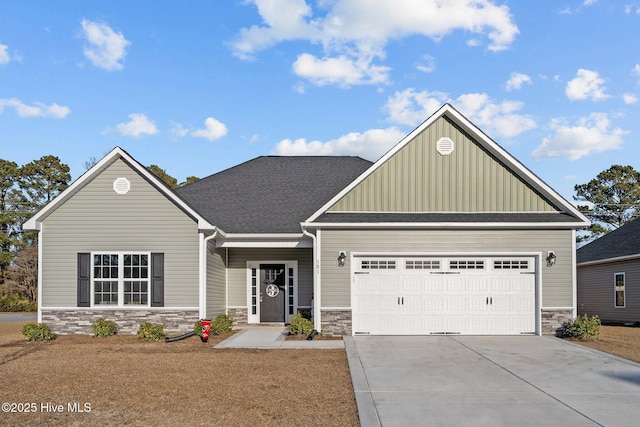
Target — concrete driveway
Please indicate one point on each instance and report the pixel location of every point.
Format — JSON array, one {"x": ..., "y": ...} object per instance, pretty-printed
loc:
[{"x": 490, "y": 381}]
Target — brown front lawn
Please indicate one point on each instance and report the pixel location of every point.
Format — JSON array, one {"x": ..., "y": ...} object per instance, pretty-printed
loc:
[
  {"x": 125, "y": 381},
  {"x": 623, "y": 341}
]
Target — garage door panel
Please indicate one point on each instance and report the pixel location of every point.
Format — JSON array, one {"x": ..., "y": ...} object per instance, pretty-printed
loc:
[{"x": 463, "y": 296}]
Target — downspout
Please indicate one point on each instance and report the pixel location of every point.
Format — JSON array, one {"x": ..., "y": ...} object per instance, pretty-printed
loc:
[
  {"x": 316, "y": 279},
  {"x": 203, "y": 272}
]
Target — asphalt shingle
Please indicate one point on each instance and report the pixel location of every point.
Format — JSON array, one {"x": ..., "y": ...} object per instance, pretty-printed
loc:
[
  {"x": 625, "y": 241},
  {"x": 271, "y": 194}
]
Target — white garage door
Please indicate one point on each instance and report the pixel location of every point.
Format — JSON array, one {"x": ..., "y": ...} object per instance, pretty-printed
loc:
[{"x": 436, "y": 295}]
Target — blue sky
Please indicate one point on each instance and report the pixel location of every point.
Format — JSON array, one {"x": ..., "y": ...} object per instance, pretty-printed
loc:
[{"x": 199, "y": 86}]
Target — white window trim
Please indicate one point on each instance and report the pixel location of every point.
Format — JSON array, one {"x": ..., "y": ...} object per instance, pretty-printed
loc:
[
  {"x": 121, "y": 279},
  {"x": 255, "y": 318},
  {"x": 624, "y": 290}
]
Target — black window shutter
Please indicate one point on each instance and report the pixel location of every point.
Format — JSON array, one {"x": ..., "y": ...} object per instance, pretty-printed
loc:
[
  {"x": 84, "y": 280},
  {"x": 157, "y": 280}
]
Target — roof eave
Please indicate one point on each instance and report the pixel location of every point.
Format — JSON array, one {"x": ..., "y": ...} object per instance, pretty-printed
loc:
[
  {"x": 35, "y": 222},
  {"x": 449, "y": 225}
]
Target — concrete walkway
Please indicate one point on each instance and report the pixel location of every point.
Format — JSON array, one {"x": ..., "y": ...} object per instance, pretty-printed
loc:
[
  {"x": 490, "y": 381},
  {"x": 267, "y": 337}
]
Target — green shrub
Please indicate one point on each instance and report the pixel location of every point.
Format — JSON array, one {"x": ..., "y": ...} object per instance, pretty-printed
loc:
[
  {"x": 221, "y": 324},
  {"x": 14, "y": 303},
  {"x": 151, "y": 332},
  {"x": 300, "y": 325},
  {"x": 197, "y": 328},
  {"x": 37, "y": 332},
  {"x": 583, "y": 327},
  {"x": 104, "y": 328}
]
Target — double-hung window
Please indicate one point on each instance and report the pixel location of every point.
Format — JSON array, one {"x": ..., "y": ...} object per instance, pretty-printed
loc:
[
  {"x": 618, "y": 283},
  {"x": 121, "y": 279}
]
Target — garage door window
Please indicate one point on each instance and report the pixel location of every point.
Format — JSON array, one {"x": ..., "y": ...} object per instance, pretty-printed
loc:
[
  {"x": 422, "y": 264},
  {"x": 378, "y": 264},
  {"x": 466, "y": 264},
  {"x": 511, "y": 264}
]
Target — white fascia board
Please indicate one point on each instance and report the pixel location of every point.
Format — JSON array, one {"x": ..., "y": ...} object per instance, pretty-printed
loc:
[
  {"x": 34, "y": 223},
  {"x": 450, "y": 225},
  {"x": 265, "y": 240},
  {"x": 609, "y": 260},
  {"x": 483, "y": 138}
]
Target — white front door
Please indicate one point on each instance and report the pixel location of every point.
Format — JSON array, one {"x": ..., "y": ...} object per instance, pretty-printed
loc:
[{"x": 432, "y": 295}]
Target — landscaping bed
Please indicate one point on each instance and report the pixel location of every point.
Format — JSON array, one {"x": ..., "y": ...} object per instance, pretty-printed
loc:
[
  {"x": 622, "y": 341},
  {"x": 125, "y": 381}
]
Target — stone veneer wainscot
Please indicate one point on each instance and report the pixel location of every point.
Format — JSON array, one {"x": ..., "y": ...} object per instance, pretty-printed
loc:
[{"x": 66, "y": 322}]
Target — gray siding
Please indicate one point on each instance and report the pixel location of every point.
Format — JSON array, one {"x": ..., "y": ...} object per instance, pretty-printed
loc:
[
  {"x": 216, "y": 281},
  {"x": 418, "y": 179},
  {"x": 98, "y": 219},
  {"x": 557, "y": 288},
  {"x": 596, "y": 291},
  {"x": 237, "y": 274}
]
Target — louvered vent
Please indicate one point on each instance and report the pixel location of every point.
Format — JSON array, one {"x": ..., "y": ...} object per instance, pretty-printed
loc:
[
  {"x": 121, "y": 186},
  {"x": 444, "y": 146}
]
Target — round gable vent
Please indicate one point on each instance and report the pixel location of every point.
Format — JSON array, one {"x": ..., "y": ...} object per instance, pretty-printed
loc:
[
  {"x": 444, "y": 146},
  {"x": 121, "y": 186}
]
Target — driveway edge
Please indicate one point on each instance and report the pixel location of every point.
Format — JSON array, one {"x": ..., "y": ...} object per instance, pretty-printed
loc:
[{"x": 367, "y": 412}]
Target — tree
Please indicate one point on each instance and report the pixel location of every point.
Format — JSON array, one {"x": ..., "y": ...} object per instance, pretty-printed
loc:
[
  {"x": 614, "y": 199},
  {"x": 9, "y": 208},
  {"x": 24, "y": 272},
  {"x": 42, "y": 180},
  {"x": 189, "y": 180},
  {"x": 164, "y": 176}
]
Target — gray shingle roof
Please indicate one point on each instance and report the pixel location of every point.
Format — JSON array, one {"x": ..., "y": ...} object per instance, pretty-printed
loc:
[
  {"x": 437, "y": 217},
  {"x": 271, "y": 194},
  {"x": 625, "y": 241}
]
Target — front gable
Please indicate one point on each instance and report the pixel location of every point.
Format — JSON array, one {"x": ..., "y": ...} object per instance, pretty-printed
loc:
[
  {"x": 448, "y": 166},
  {"x": 418, "y": 178}
]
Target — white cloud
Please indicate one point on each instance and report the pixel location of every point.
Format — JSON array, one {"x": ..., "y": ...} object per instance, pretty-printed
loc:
[
  {"x": 213, "y": 130},
  {"x": 178, "y": 131},
  {"x": 354, "y": 33},
  {"x": 589, "y": 135},
  {"x": 632, "y": 8},
  {"x": 629, "y": 98},
  {"x": 427, "y": 64},
  {"x": 500, "y": 119},
  {"x": 4, "y": 54},
  {"x": 636, "y": 70},
  {"x": 371, "y": 144},
  {"x": 106, "y": 48},
  {"x": 516, "y": 81},
  {"x": 586, "y": 85},
  {"x": 138, "y": 125},
  {"x": 341, "y": 70},
  {"x": 39, "y": 109},
  {"x": 411, "y": 108}
]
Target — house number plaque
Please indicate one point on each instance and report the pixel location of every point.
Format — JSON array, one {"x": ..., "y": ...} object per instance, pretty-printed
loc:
[{"x": 272, "y": 290}]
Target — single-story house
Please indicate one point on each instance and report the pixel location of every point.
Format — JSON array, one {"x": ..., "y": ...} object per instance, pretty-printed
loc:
[
  {"x": 609, "y": 275},
  {"x": 447, "y": 233}
]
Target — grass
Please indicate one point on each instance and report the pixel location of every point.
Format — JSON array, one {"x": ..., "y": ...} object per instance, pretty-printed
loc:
[
  {"x": 129, "y": 382},
  {"x": 622, "y": 341}
]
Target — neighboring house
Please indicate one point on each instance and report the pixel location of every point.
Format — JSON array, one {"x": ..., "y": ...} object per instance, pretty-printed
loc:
[
  {"x": 446, "y": 233},
  {"x": 609, "y": 275}
]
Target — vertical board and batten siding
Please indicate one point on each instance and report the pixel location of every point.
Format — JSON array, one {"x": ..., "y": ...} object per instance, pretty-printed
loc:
[
  {"x": 418, "y": 179},
  {"x": 216, "y": 281},
  {"x": 98, "y": 219},
  {"x": 557, "y": 283},
  {"x": 237, "y": 273},
  {"x": 596, "y": 291}
]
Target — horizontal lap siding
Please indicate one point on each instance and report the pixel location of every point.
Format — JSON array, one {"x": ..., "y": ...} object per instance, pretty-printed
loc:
[
  {"x": 557, "y": 284},
  {"x": 237, "y": 274},
  {"x": 216, "y": 281},
  {"x": 596, "y": 291},
  {"x": 98, "y": 219}
]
